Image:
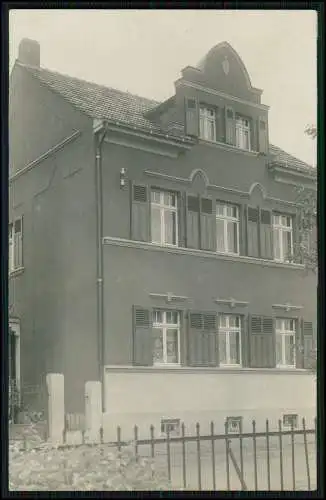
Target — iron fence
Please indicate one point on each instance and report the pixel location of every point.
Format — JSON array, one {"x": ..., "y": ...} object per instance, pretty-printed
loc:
[{"x": 282, "y": 459}]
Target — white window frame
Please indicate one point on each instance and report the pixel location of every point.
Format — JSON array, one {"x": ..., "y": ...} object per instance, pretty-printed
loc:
[
  {"x": 283, "y": 333},
  {"x": 241, "y": 130},
  {"x": 164, "y": 326},
  {"x": 227, "y": 330},
  {"x": 163, "y": 209},
  {"x": 12, "y": 245},
  {"x": 226, "y": 220},
  {"x": 207, "y": 121},
  {"x": 282, "y": 228}
]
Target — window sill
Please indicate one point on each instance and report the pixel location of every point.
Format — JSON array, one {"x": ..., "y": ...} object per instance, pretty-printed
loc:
[
  {"x": 228, "y": 147},
  {"x": 203, "y": 370},
  {"x": 120, "y": 242},
  {"x": 16, "y": 272}
]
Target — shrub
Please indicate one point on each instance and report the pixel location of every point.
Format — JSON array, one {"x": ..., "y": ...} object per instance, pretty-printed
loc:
[{"x": 93, "y": 468}]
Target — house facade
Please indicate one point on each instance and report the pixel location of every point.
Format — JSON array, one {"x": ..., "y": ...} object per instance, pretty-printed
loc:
[{"x": 151, "y": 247}]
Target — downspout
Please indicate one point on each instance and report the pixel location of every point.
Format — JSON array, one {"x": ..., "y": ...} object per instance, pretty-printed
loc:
[{"x": 99, "y": 138}]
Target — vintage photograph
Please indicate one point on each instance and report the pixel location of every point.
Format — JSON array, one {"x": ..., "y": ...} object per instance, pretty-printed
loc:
[{"x": 162, "y": 243}]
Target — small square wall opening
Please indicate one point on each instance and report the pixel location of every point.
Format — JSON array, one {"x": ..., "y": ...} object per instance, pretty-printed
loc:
[
  {"x": 290, "y": 420},
  {"x": 171, "y": 426},
  {"x": 234, "y": 425}
]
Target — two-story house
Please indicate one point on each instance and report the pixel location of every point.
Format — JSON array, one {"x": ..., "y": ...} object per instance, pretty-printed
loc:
[{"x": 151, "y": 246}]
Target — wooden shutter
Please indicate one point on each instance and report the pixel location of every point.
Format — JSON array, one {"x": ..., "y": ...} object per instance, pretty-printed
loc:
[
  {"x": 252, "y": 232},
  {"x": 308, "y": 344},
  {"x": 182, "y": 200},
  {"x": 193, "y": 222},
  {"x": 243, "y": 230},
  {"x": 266, "y": 234},
  {"x": 262, "y": 342},
  {"x": 230, "y": 126},
  {"x": 245, "y": 341},
  {"x": 191, "y": 117},
  {"x": 262, "y": 135},
  {"x": 254, "y": 135},
  {"x": 140, "y": 213},
  {"x": 207, "y": 225},
  {"x": 220, "y": 125},
  {"x": 297, "y": 239},
  {"x": 202, "y": 339},
  {"x": 142, "y": 337}
]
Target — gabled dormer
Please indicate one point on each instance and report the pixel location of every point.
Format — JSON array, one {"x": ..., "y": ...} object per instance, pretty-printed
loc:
[{"x": 216, "y": 102}]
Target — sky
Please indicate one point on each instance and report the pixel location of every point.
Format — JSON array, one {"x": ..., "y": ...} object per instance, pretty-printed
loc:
[{"x": 144, "y": 51}]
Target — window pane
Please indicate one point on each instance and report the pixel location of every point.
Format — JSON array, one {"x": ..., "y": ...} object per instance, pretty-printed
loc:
[
  {"x": 246, "y": 140},
  {"x": 219, "y": 209},
  {"x": 222, "y": 347},
  {"x": 170, "y": 227},
  {"x": 155, "y": 196},
  {"x": 289, "y": 350},
  {"x": 156, "y": 224},
  {"x": 172, "y": 317},
  {"x": 234, "y": 338},
  {"x": 278, "y": 349},
  {"x": 158, "y": 346},
  {"x": 289, "y": 221},
  {"x": 277, "y": 246},
  {"x": 286, "y": 243},
  {"x": 222, "y": 320},
  {"x": 170, "y": 199},
  {"x": 279, "y": 324},
  {"x": 234, "y": 321},
  {"x": 172, "y": 346},
  {"x": 220, "y": 243},
  {"x": 232, "y": 237},
  {"x": 158, "y": 317}
]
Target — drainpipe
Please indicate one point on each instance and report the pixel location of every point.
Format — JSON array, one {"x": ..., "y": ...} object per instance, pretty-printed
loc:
[{"x": 99, "y": 138}]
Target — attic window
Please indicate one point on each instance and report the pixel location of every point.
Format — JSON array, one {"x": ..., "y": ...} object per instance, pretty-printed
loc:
[{"x": 207, "y": 123}]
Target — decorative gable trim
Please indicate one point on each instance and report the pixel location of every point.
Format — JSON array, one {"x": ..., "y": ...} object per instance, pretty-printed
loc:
[
  {"x": 182, "y": 83},
  {"x": 287, "y": 307},
  {"x": 232, "y": 303}
]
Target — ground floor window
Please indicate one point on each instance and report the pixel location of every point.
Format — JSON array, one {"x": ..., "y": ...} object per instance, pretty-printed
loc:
[
  {"x": 166, "y": 331},
  {"x": 285, "y": 342},
  {"x": 229, "y": 340}
]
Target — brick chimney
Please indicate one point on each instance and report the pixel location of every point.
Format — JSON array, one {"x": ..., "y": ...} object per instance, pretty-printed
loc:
[{"x": 29, "y": 52}]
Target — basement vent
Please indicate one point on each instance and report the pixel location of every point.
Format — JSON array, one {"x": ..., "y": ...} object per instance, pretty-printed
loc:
[
  {"x": 234, "y": 425},
  {"x": 290, "y": 420},
  {"x": 171, "y": 426}
]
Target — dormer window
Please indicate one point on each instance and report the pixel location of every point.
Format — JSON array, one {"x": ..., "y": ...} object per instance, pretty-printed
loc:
[
  {"x": 207, "y": 123},
  {"x": 242, "y": 133}
]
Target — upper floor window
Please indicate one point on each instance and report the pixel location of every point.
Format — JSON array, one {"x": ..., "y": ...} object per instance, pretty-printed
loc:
[
  {"x": 283, "y": 237},
  {"x": 207, "y": 123},
  {"x": 166, "y": 331},
  {"x": 229, "y": 339},
  {"x": 242, "y": 133},
  {"x": 285, "y": 342},
  {"x": 227, "y": 228},
  {"x": 164, "y": 218},
  {"x": 15, "y": 245}
]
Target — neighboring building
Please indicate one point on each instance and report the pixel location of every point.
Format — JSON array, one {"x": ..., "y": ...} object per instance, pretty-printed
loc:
[{"x": 150, "y": 246}]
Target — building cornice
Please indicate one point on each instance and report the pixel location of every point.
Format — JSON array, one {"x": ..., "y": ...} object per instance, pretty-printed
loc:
[
  {"x": 218, "y": 370},
  {"x": 121, "y": 242},
  {"x": 215, "y": 187}
]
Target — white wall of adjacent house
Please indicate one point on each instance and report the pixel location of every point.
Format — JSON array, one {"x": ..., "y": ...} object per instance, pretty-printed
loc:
[{"x": 146, "y": 398}]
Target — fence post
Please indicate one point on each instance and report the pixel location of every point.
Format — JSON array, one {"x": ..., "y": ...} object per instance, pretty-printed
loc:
[
  {"x": 93, "y": 410},
  {"x": 56, "y": 407}
]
